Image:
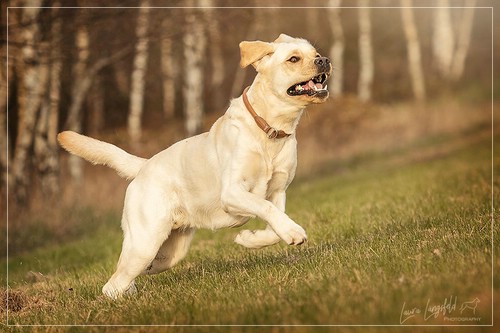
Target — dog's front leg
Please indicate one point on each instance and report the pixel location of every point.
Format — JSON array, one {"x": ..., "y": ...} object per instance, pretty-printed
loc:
[
  {"x": 237, "y": 201},
  {"x": 260, "y": 238}
]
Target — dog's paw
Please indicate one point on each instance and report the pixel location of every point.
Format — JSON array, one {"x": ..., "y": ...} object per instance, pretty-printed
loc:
[
  {"x": 245, "y": 238},
  {"x": 257, "y": 239},
  {"x": 110, "y": 291},
  {"x": 113, "y": 292},
  {"x": 292, "y": 233}
]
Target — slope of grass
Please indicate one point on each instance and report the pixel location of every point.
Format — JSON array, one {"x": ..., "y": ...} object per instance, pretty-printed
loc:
[{"x": 389, "y": 243}]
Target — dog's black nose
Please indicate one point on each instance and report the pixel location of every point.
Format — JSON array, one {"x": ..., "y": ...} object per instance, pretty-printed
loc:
[{"x": 323, "y": 63}]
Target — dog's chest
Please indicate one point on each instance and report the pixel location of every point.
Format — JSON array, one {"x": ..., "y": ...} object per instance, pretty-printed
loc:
[{"x": 270, "y": 173}]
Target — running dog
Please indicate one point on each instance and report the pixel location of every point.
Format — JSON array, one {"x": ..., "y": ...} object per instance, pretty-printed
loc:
[{"x": 238, "y": 170}]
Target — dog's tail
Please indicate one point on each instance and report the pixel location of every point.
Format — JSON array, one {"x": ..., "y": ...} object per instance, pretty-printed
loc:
[{"x": 99, "y": 152}]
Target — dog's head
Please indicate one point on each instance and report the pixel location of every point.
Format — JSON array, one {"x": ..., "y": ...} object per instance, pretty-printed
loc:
[{"x": 290, "y": 68}]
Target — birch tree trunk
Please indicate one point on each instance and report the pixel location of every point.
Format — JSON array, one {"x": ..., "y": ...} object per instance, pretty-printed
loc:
[
  {"x": 34, "y": 81},
  {"x": 194, "y": 41},
  {"x": 365, "y": 53},
  {"x": 139, "y": 74},
  {"x": 464, "y": 33},
  {"x": 337, "y": 48},
  {"x": 169, "y": 69},
  {"x": 46, "y": 150},
  {"x": 78, "y": 93},
  {"x": 413, "y": 51},
  {"x": 443, "y": 41}
]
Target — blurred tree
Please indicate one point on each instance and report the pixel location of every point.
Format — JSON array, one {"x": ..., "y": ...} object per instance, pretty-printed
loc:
[
  {"x": 194, "y": 41},
  {"x": 337, "y": 48},
  {"x": 217, "y": 60},
  {"x": 365, "y": 52},
  {"x": 46, "y": 149},
  {"x": 96, "y": 114},
  {"x": 5, "y": 81},
  {"x": 312, "y": 16},
  {"x": 81, "y": 85},
  {"x": 256, "y": 27},
  {"x": 138, "y": 74},
  {"x": 169, "y": 66},
  {"x": 443, "y": 43},
  {"x": 83, "y": 75},
  {"x": 413, "y": 51},
  {"x": 272, "y": 23},
  {"x": 464, "y": 34},
  {"x": 33, "y": 72}
]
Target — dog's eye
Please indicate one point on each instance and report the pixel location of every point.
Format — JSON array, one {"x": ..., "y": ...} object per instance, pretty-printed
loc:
[{"x": 294, "y": 59}]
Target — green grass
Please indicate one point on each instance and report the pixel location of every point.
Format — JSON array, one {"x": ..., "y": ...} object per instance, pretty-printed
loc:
[{"x": 382, "y": 235}]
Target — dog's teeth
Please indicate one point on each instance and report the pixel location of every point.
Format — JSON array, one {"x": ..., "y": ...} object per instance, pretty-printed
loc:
[{"x": 325, "y": 87}]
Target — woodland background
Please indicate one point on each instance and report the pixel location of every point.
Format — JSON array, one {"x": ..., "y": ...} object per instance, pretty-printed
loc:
[
  {"x": 143, "y": 77},
  {"x": 394, "y": 182}
]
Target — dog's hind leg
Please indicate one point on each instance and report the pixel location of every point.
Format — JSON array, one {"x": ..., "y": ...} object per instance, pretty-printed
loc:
[
  {"x": 173, "y": 250},
  {"x": 134, "y": 258},
  {"x": 145, "y": 227}
]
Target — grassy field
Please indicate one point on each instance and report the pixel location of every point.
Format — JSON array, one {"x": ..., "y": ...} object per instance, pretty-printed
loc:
[{"x": 395, "y": 239}]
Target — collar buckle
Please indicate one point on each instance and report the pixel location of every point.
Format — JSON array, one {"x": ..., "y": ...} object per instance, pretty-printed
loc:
[{"x": 271, "y": 132}]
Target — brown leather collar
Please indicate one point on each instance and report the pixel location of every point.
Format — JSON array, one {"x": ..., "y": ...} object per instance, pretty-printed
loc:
[{"x": 271, "y": 132}]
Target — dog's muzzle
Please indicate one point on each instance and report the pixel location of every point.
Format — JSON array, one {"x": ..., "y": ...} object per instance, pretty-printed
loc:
[{"x": 315, "y": 86}]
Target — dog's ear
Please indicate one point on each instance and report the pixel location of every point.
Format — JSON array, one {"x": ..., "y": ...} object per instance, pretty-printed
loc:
[
  {"x": 253, "y": 52},
  {"x": 284, "y": 39}
]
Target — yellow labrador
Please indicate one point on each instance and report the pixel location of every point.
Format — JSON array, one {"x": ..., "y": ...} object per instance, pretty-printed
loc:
[{"x": 238, "y": 170}]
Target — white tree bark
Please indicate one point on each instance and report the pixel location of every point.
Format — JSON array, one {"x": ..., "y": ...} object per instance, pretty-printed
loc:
[
  {"x": 46, "y": 150},
  {"x": 78, "y": 93},
  {"x": 194, "y": 47},
  {"x": 34, "y": 82},
  {"x": 139, "y": 74},
  {"x": 413, "y": 51},
  {"x": 337, "y": 48},
  {"x": 464, "y": 34},
  {"x": 169, "y": 69},
  {"x": 443, "y": 42},
  {"x": 365, "y": 53}
]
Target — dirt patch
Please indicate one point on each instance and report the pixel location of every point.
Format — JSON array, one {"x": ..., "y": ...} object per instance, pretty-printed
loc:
[
  {"x": 13, "y": 301},
  {"x": 17, "y": 301}
]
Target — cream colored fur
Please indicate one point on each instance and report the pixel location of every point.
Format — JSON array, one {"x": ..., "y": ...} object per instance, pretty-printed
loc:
[{"x": 217, "y": 179}]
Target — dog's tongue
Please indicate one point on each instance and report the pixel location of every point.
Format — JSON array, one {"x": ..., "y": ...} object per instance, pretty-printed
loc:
[{"x": 312, "y": 85}]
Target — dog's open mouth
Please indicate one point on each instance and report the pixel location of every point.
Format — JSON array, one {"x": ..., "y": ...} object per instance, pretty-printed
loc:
[{"x": 314, "y": 87}]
